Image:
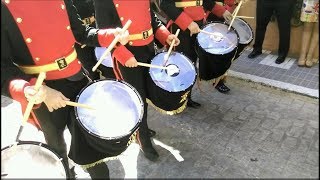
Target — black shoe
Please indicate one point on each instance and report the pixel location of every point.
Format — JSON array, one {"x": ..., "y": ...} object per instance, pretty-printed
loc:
[
  {"x": 254, "y": 54},
  {"x": 152, "y": 133},
  {"x": 193, "y": 104},
  {"x": 147, "y": 148},
  {"x": 280, "y": 59},
  {"x": 221, "y": 87}
]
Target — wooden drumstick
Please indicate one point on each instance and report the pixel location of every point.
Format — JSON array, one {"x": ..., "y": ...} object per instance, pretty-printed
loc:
[
  {"x": 151, "y": 66},
  {"x": 111, "y": 46},
  {"x": 235, "y": 14},
  {"x": 249, "y": 17},
  {"x": 70, "y": 103},
  {"x": 37, "y": 86},
  {"x": 166, "y": 57}
]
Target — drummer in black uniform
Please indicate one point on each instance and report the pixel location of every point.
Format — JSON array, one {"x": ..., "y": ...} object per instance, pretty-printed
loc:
[
  {"x": 189, "y": 16},
  {"x": 86, "y": 54}
]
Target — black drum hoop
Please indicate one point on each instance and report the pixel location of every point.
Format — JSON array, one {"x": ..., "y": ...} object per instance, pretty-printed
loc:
[
  {"x": 251, "y": 39},
  {"x": 41, "y": 144},
  {"x": 116, "y": 137}
]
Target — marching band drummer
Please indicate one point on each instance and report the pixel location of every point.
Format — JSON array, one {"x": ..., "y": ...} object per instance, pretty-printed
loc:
[
  {"x": 144, "y": 29},
  {"x": 48, "y": 47},
  {"x": 229, "y": 5},
  {"x": 86, "y": 53},
  {"x": 188, "y": 15}
]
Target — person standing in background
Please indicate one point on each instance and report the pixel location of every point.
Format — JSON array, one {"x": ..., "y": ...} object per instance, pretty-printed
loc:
[
  {"x": 264, "y": 11},
  {"x": 310, "y": 37}
]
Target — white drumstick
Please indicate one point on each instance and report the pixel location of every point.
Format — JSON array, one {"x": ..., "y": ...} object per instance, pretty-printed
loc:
[
  {"x": 235, "y": 14},
  {"x": 151, "y": 66},
  {"x": 166, "y": 57}
]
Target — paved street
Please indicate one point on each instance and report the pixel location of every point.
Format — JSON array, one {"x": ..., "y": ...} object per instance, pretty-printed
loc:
[{"x": 253, "y": 132}]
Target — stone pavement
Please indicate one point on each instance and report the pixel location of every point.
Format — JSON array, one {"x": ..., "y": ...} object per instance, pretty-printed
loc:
[
  {"x": 255, "y": 131},
  {"x": 252, "y": 132}
]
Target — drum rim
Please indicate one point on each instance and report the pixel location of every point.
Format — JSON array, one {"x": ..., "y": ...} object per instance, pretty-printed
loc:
[
  {"x": 41, "y": 144},
  {"x": 219, "y": 22},
  {"x": 252, "y": 37},
  {"x": 116, "y": 137},
  {"x": 186, "y": 57}
]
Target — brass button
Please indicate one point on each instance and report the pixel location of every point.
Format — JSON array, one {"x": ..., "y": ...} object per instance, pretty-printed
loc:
[
  {"x": 63, "y": 6},
  {"x": 37, "y": 59},
  {"x": 79, "y": 62},
  {"x": 121, "y": 18},
  {"x": 28, "y": 40},
  {"x": 19, "y": 20},
  {"x": 68, "y": 27},
  {"x": 117, "y": 5},
  {"x": 7, "y": 1},
  {"x": 130, "y": 43}
]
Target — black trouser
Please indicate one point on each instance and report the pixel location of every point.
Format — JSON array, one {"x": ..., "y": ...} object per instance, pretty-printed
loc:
[
  {"x": 187, "y": 44},
  {"x": 137, "y": 77},
  {"x": 283, "y": 12},
  {"x": 54, "y": 123}
]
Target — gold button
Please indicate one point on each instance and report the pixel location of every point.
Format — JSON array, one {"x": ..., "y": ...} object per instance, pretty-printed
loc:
[
  {"x": 117, "y": 5},
  {"x": 28, "y": 40},
  {"x": 37, "y": 59},
  {"x": 130, "y": 43},
  {"x": 79, "y": 62},
  {"x": 121, "y": 18},
  {"x": 62, "y": 6},
  {"x": 68, "y": 27},
  {"x": 7, "y": 1},
  {"x": 19, "y": 20}
]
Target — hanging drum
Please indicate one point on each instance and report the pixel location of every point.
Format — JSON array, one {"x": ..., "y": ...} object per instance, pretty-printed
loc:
[
  {"x": 216, "y": 49},
  {"x": 31, "y": 160},
  {"x": 245, "y": 33},
  {"x": 117, "y": 114},
  {"x": 168, "y": 89}
]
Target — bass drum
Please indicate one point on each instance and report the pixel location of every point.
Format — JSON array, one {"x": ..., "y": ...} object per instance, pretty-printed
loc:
[
  {"x": 31, "y": 160},
  {"x": 216, "y": 48}
]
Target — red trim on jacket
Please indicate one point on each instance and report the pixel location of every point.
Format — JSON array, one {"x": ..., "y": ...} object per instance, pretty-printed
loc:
[
  {"x": 183, "y": 21},
  {"x": 122, "y": 54},
  {"x": 162, "y": 34}
]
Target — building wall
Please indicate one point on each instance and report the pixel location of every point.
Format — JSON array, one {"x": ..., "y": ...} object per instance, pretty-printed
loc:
[{"x": 272, "y": 34}]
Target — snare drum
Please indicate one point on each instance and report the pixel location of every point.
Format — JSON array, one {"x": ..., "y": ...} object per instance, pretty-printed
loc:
[
  {"x": 31, "y": 160},
  {"x": 216, "y": 50},
  {"x": 168, "y": 89},
  {"x": 117, "y": 114},
  {"x": 245, "y": 33}
]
